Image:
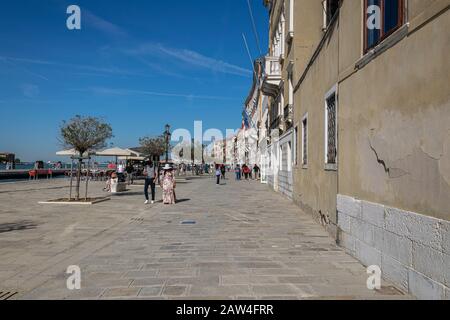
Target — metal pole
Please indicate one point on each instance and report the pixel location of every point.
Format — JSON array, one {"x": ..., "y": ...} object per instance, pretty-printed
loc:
[
  {"x": 87, "y": 179},
  {"x": 167, "y": 147},
  {"x": 71, "y": 179}
]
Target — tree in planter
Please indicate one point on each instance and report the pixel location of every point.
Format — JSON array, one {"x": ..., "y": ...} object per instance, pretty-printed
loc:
[
  {"x": 153, "y": 147},
  {"x": 84, "y": 134}
]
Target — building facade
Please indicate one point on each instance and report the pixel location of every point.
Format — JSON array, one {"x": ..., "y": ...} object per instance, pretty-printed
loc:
[
  {"x": 277, "y": 86},
  {"x": 360, "y": 93}
]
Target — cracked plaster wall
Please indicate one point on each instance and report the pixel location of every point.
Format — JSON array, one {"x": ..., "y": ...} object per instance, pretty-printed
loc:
[{"x": 394, "y": 131}]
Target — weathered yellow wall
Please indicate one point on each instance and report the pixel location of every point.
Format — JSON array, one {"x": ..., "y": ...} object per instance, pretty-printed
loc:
[
  {"x": 350, "y": 34},
  {"x": 416, "y": 7},
  {"x": 315, "y": 188},
  {"x": 393, "y": 115},
  {"x": 307, "y": 33},
  {"x": 394, "y": 132}
]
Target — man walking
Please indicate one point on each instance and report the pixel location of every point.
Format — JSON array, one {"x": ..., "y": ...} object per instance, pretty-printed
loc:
[
  {"x": 130, "y": 171},
  {"x": 223, "y": 170},
  {"x": 237, "y": 171},
  {"x": 218, "y": 174},
  {"x": 150, "y": 181},
  {"x": 256, "y": 169}
]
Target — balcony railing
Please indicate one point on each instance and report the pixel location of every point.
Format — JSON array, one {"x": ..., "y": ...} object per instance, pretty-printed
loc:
[
  {"x": 272, "y": 76},
  {"x": 273, "y": 67}
]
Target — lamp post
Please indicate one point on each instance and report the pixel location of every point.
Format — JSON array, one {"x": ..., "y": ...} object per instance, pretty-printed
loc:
[{"x": 167, "y": 135}]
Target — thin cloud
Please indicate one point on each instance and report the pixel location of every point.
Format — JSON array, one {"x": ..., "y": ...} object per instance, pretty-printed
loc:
[
  {"x": 11, "y": 62},
  {"x": 103, "y": 25},
  {"x": 108, "y": 71},
  {"x": 160, "y": 69},
  {"x": 30, "y": 90},
  {"x": 191, "y": 58},
  {"x": 127, "y": 92}
]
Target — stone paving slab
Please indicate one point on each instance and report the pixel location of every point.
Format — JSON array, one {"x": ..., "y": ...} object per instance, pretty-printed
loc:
[{"x": 247, "y": 243}]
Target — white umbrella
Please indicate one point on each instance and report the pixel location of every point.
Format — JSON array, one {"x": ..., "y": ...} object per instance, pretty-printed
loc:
[
  {"x": 137, "y": 156},
  {"x": 71, "y": 153},
  {"x": 115, "y": 152},
  {"x": 132, "y": 158}
]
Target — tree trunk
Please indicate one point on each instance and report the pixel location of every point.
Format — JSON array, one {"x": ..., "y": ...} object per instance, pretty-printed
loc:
[{"x": 77, "y": 188}]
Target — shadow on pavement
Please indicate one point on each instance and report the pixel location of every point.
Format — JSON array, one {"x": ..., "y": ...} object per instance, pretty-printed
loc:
[
  {"x": 17, "y": 226},
  {"x": 182, "y": 200}
]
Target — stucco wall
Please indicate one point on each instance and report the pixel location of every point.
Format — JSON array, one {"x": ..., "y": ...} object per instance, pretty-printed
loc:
[
  {"x": 417, "y": 7},
  {"x": 307, "y": 33},
  {"x": 394, "y": 132},
  {"x": 314, "y": 187},
  {"x": 350, "y": 35}
]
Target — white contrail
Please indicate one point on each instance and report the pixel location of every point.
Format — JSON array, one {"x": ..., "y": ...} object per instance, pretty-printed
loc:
[
  {"x": 255, "y": 31},
  {"x": 249, "y": 55}
]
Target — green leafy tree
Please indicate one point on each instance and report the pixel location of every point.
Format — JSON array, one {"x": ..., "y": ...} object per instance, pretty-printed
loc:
[
  {"x": 84, "y": 134},
  {"x": 153, "y": 146}
]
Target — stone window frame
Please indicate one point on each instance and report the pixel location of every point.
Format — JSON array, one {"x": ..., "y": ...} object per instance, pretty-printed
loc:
[
  {"x": 388, "y": 42},
  {"x": 402, "y": 20},
  {"x": 333, "y": 91},
  {"x": 327, "y": 18},
  {"x": 296, "y": 142},
  {"x": 305, "y": 140}
]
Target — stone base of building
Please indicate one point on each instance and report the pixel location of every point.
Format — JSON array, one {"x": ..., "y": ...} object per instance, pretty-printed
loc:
[
  {"x": 283, "y": 183},
  {"x": 412, "y": 250}
]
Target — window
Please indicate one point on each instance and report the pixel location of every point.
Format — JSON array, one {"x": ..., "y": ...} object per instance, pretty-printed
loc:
[
  {"x": 305, "y": 141},
  {"x": 382, "y": 18},
  {"x": 279, "y": 38},
  {"x": 330, "y": 7},
  {"x": 331, "y": 130},
  {"x": 289, "y": 156},
  {"x": 296, "y": 146}
]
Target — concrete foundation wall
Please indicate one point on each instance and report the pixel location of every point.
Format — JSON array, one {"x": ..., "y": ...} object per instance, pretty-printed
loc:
[{"x": 412, "y": 250}]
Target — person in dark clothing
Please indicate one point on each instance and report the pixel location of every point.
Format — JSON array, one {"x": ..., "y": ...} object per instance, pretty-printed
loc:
[
  {"x": 130, "y": 171},
  {"x": 223, "y": 170},
  {"x": 246, "y": 170},
  {"x": 256, "y": 170},
  {"x": 237, "y": 171},
  {"x": 150, "y": 181}
]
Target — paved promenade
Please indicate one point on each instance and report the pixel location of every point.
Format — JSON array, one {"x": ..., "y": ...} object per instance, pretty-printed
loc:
[{"x": 247, "y": 242}]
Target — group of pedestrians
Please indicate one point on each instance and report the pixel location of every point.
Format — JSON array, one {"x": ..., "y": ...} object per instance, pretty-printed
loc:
[
  {"x": 166, "y": 179},
  {"x": 242, "y": 172},
  {"x": 246, "y": 172}
]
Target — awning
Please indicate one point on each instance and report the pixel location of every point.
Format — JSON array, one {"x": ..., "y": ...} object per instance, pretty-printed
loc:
[
  {"x": 115, "y": 152},
  {"x": 72, "y": 153},
  {"x": 133, "y": 158}
]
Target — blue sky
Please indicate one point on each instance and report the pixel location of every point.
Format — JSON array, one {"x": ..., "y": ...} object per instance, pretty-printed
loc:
[{"x": 137, "y": 64}]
